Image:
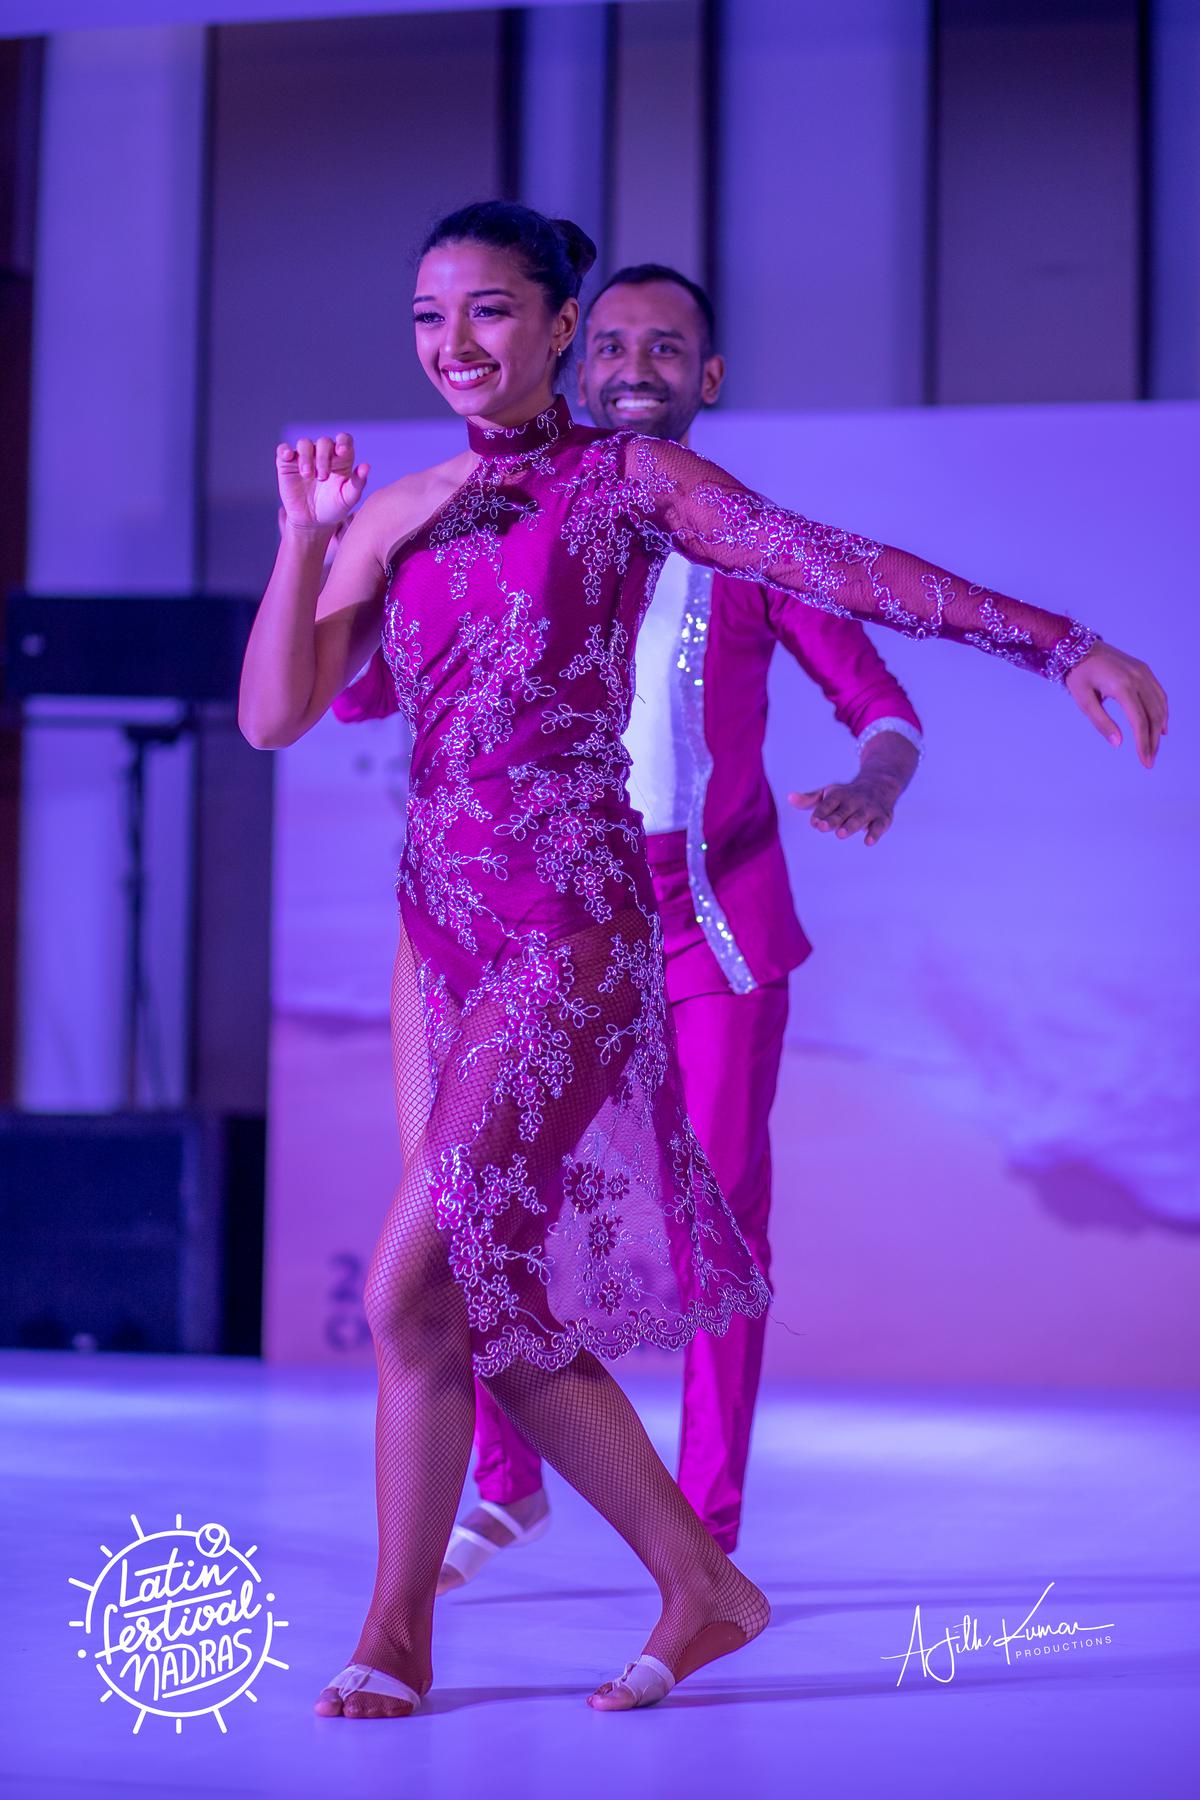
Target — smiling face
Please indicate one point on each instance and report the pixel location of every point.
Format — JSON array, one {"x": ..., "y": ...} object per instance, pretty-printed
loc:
[
  {"x": 648, "y": 364},
  {"x": 486, "y": 335}
]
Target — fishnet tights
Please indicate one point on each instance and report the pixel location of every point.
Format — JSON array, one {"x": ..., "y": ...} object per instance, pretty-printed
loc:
[{"x": 577, "y": 1417}]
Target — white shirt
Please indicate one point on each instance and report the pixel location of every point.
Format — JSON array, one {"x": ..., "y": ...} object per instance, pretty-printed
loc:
[{"x": 662, "y": 780}]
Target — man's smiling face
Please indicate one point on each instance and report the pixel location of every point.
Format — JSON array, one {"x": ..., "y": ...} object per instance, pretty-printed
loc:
[{"x": 647, "y": 364}]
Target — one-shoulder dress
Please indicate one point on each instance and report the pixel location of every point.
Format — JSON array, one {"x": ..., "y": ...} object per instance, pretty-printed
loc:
[{"x": 540, "y": 1102}]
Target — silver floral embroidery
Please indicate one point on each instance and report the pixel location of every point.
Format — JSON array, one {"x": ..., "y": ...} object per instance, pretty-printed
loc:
[
  {"x": 749, "y": 537},
  {"x": 513, "y": 1030},
  {"x": 509, "y": 1042}
]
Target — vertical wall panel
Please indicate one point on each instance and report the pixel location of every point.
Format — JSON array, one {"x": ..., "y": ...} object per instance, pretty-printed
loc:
[
  {"x": 658, "y": 151},
  {"x": 111, "y": 509},
  {"x": 1174, "y": 141},
  {"x": 820, "y": 208},
  {"x": 20, "y": 92},
  {"x": 336, "y": 144},
  {"x": 1037, "y": 159},
  {"x": 564, "y": 108},
  {"x": 116, "y": 310}
]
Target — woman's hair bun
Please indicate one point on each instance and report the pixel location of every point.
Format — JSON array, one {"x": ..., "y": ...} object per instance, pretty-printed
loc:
[
  {"x": 581, "y": 252},
  {"x": 553, "y": 252}
]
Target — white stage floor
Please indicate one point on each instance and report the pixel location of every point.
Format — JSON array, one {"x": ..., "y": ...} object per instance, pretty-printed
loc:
[{"x": 862, "y": 1506}]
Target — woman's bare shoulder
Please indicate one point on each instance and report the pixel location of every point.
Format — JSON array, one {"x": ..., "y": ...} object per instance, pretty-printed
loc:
[{"x": 401, "y": 507}]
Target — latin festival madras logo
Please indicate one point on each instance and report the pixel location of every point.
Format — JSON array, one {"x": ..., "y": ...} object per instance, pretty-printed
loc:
[
  {"x": 937, "y": 1658},
  {"x": 179, "y": 1623}
]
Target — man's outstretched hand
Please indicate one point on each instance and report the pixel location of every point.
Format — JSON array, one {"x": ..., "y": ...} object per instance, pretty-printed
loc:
[
  {"x": 867, "y": 803},
  {"x": 1107, "y": 673}
]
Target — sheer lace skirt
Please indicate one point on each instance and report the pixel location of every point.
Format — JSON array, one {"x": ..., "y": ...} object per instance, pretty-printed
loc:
[{"x": 541, "y": 1112}]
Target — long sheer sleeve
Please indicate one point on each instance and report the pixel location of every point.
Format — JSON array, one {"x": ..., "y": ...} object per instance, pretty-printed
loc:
[{"x": 684, "y": 502}]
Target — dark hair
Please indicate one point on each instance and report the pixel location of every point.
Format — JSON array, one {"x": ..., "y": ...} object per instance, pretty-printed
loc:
[
  {"x": 639, "y": 274},
  {"x": 554, "y": 252}
]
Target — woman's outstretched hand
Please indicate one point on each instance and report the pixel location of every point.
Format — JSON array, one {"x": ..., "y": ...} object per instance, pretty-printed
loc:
[
  {"x": 1107, "y": 673},
  {"x": 319, "y": 483}
]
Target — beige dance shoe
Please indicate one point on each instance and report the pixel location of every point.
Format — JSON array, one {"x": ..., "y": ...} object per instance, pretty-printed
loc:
[
  {"x": 360, "y": 1678},
  {"x": 468, "y": 1551},
  {"x": 647, "y": 1679}
]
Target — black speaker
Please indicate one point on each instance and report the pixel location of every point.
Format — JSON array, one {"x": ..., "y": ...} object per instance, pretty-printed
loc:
[
  {"x": 132, "y": 1231},
  {"x": 138, "y": 646}
]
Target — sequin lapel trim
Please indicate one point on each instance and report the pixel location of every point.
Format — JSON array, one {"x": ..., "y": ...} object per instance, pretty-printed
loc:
[{"x": 693, "y": 646}]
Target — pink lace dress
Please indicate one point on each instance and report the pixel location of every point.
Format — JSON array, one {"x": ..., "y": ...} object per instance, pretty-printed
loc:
[{"x": 540, "y": 1103}]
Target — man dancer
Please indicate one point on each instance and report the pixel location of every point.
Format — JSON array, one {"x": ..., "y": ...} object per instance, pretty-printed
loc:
[{"x": 731, "y": 931}]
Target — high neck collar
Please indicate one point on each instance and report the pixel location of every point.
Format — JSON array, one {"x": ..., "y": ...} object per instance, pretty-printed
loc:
[{"x": 521, "y": 440}]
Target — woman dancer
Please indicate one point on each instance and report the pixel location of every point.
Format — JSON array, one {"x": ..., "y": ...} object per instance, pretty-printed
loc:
[{"x": 555, "y": 1208}]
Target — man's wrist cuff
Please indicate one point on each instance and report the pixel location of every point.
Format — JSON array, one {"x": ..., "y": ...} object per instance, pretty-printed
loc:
[{"x": 902, "y": 727}]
